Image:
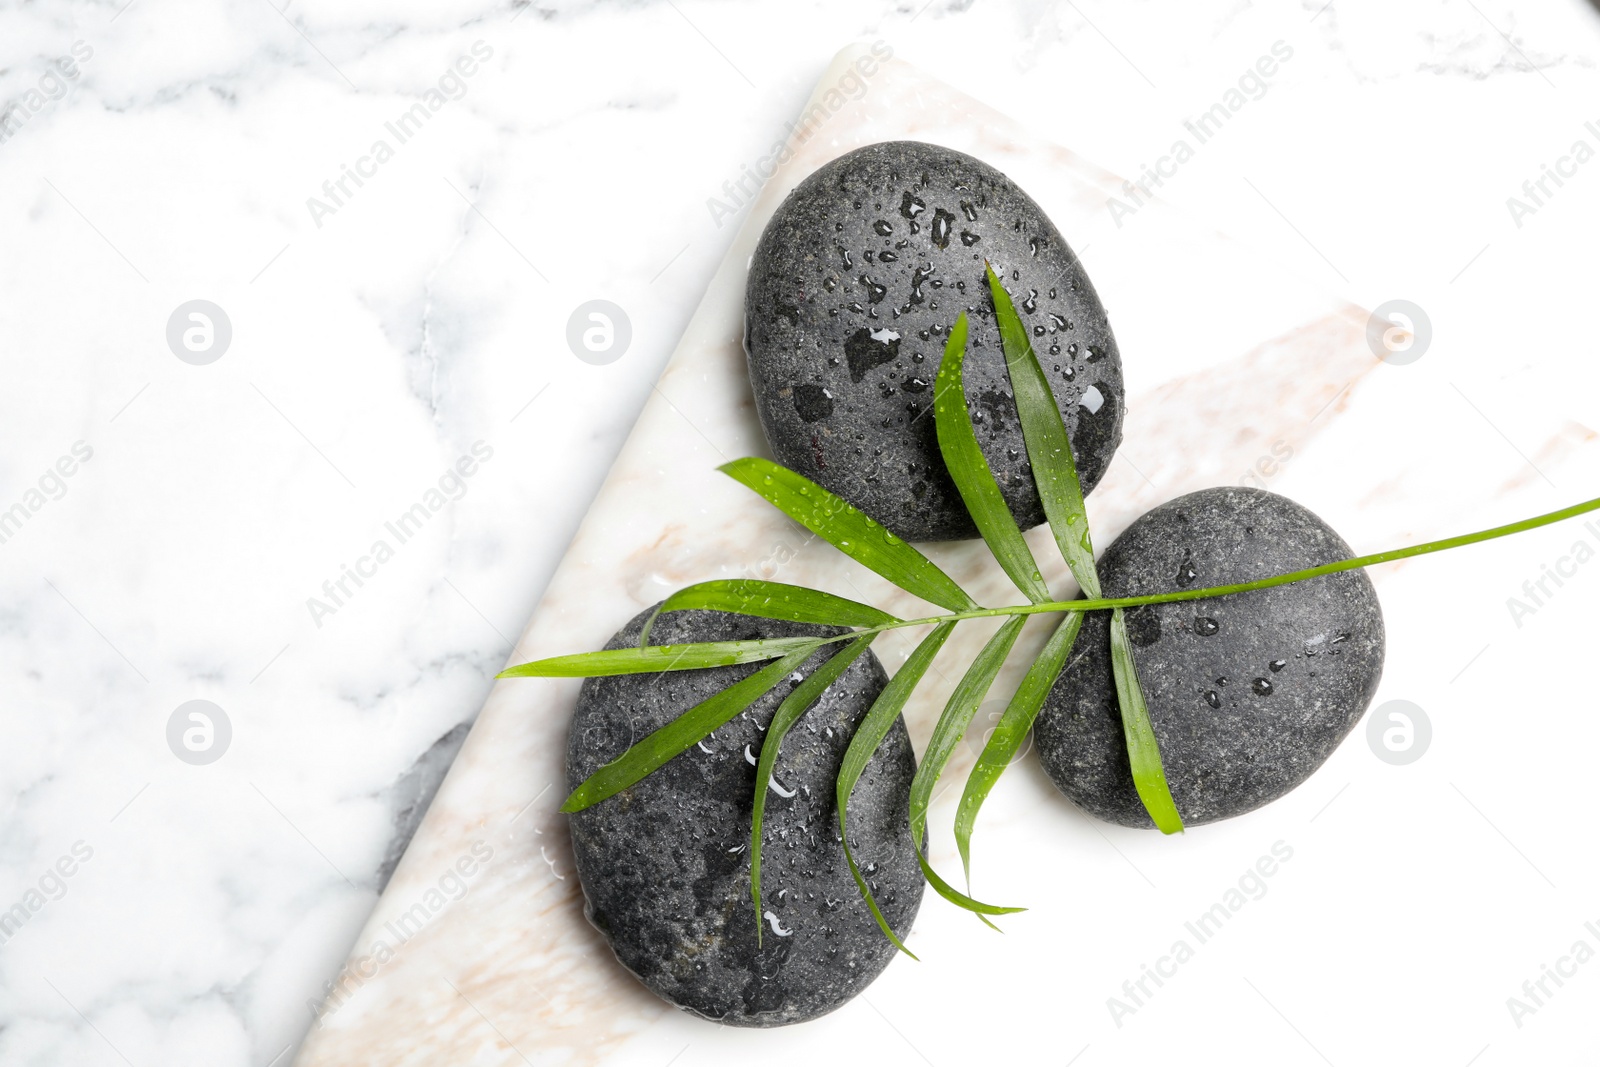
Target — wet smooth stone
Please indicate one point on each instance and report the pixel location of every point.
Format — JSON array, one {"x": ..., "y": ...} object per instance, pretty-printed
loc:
[
  {"x": 852, "y": 290},
  {"x": 1248, "y": 693},
  {"x": 665, "y": 864}
]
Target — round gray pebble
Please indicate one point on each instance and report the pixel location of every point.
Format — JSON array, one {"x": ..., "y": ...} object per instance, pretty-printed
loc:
[
  {"x": 1249, "y": 693},
  {"x": 665, "y": 864},
  {"x": 853, "y": 288}
]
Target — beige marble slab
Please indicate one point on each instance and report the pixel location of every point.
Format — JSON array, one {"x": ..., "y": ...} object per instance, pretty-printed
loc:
[{"x": 478, "y": 951}]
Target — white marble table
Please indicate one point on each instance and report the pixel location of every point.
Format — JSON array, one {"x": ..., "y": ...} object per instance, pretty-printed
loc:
[{"x": 380, "y": 334}]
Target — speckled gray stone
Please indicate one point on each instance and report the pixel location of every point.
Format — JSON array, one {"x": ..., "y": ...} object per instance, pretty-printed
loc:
[
  {"x": 1248, "y": 694},
  {"x": 852, "y": 290},
  {"x": 665, "y": 864}
]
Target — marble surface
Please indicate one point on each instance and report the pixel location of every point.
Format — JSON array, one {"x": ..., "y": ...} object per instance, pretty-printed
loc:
[{"x": 375, "y": 344}]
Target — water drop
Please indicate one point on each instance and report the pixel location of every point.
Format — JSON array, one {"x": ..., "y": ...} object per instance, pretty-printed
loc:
[
  {"x": 1277, "y": 665},
  {"x": 1261, "y": 687},
  {"x": 1213, "y": 699},
  {"x": 1205, "y": 627}
]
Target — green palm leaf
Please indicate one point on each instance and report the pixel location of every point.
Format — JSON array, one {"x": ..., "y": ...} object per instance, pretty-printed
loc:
[
  {"x": 964, "y": 459},
  {"x": 1012, "y": 730},
  {"x": 795, "y": 705},
  {"x": 1144, "y": 755},
  {"x": 868, "y": 736},
  {"x": 656, "y": 658},
  {"x": 947, "y": 733},
  {"x": 648, "y": 754},
  {"x": 1055, "y": 472},
  {"x": 769, "y": 600},
  {"x": 849, "y": 530},
  {"x": 1056, "y": 475}
]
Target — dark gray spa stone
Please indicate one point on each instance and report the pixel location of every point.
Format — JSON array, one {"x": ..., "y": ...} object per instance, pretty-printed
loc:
[
  {"x": 853, "y": 288},
  {"x": 665, "y": 864},
  {"x": 1248, "y": 694}
]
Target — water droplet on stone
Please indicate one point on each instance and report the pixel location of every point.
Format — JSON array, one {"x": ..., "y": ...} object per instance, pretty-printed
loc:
[{"x": 1205, "y": 627}]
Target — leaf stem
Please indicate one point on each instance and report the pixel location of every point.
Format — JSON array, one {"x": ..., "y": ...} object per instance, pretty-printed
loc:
[{"x": 1174, "y": 596}]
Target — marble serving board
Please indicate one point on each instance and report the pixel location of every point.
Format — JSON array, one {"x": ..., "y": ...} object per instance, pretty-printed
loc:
[{"x": 478, "y": 952}]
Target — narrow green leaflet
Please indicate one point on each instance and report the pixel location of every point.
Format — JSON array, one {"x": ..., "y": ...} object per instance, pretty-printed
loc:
[
  {"x": 947, "y": 733},
  {"x": 847, "y": 529},
  {"x": 1056, "y": 475},
  {"x": 964, "y": 459},
  {"x": 795, "y": 705},
  {"x": 657, "y": 658},
  {"x": 1055, "y": 472},
  {"x": 647, "y": 755},
  {"x": 1012, "y": 730},
  {"x": 770, "y": 600},
  {"x": 1143, "y": 753},
  {"x": 869, "y": 735}
]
